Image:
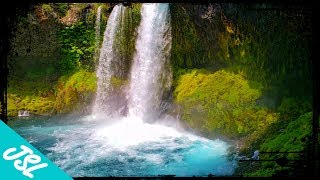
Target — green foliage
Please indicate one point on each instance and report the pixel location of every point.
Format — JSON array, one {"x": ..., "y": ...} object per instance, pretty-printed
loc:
[
  {"x": 90, "y": 15},
  {"x": 78, "y": 45},
  {"x": 72, "y": 93},
  {"x": 47, "y": 8},
  {"x": 289, "y": 110},
  {"x": 34, "y": 104},
  {"x": 270, "y": 47},
  {"x": 221, "y": 103},
  {"x": 65, "y": 51},
  {"x": 104, "y": 19},
  {"x": 75, "y": 91},
  {"x": 292, "y": 138},
  {"x": 12, "y": 107},
  {"x": 117, "y": 82},
  {"x": 292, "y": 108},
  {"x": 265, "y": 172},
  {"x": 188, "y": 49},
  {"x": 54, "y": 10},
  {"x": 31, "y": 75},
  {"x": 61, "y": 8},
  {"x": 39, "y": 87},
  {"x": 135, "y": 10},
  {"x": 270, "y": 50}
]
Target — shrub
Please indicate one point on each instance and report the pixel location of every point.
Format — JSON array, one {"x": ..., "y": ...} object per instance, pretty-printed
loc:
[{"x": 78, "y": 46}]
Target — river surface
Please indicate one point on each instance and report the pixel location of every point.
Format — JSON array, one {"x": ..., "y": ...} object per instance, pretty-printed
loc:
[{"x": 87, "y": 146}]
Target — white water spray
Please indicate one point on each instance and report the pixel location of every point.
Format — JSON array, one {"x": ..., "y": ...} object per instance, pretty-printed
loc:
[
  {"x": 148, "y": 73},
  {"x": 107, "y": 57}
]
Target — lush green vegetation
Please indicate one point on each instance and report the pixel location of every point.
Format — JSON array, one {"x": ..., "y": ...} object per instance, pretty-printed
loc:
[
  {"x": 52, "y": 59},
  {"x": 35, "y": 104},
  {"x": 292, "y": 137},
  {"x": 77, "y": 47},
  {"x": 222, "y": 103},
  {"x": 75, "y": 91},
  {"x": 245, "y": 75}
]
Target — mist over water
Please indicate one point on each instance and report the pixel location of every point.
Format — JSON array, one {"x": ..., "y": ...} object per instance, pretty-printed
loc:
[
  {"x": 106, "y": 59},
  {"x": 124, "y": 148},
  {"x": 153, "y": 47}
]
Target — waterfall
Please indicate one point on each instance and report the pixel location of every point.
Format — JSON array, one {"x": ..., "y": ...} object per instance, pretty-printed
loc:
[
  {"x": 97, "y": 34},
  {"x": 149, "y": 74},
  {"x": 107, "y": 58}
]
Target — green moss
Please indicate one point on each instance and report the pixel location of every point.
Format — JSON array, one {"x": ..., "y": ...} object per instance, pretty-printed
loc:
[
  {"x": 12, "y": 106},
  {"x": 82, "y": 81},
  {"x": 188, "y": 51},
  {"x": 221, "y": 103},
  {"x": 117, "y": 82},
  {"x": 75, "y": 91},
  {"x": 267, "y": 172},
  {"x": 292, "y": 108},
  {"x": 34, "y": 104},
  {"x": 71, "y": 93},
  {"x": 292, "y": 138}
]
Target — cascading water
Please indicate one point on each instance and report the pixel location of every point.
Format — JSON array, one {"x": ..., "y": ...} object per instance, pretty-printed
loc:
[
  {"x": 148, "y": 76},
  {"x": 107, "y": 57},
  {"x": 128, "y": 146}
]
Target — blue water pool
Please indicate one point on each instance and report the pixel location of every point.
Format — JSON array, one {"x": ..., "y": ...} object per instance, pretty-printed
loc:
[{"x": 126, "y": 147}]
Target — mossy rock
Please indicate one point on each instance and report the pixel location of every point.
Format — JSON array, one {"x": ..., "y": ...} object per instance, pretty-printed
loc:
[
  {"x": 221, "y": 103},
  {"x": 73, "y": 91}
]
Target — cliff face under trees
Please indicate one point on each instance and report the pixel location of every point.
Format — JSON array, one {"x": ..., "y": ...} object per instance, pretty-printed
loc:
[
  {"x": 52, "y": 52},
  {"x": 237, "y": 73},
  {"x": 245, "y": 74}
]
